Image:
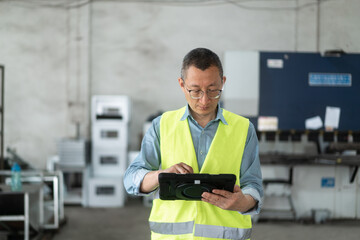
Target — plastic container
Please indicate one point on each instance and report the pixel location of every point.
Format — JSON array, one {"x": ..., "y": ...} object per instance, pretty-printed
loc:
[{"x": 16, "y": 178}]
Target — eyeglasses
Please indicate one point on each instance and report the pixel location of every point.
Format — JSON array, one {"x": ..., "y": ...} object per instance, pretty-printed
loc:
[{"x": 197, "y": 94}]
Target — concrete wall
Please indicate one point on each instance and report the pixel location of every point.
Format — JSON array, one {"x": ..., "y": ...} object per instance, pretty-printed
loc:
[
  {"x": 57, "y": 57},
  {"x": 33, "y": 51}
]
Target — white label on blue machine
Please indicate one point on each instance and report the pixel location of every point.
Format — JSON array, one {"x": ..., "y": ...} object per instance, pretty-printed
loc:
[{"x": 275, "y": 63}]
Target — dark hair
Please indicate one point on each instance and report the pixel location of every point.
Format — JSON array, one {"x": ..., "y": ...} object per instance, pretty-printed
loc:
[{"x": 201, "y": 58}]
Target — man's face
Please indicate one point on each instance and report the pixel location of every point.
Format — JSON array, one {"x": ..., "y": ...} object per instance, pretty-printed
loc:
[{"x": 207, "y": 80}]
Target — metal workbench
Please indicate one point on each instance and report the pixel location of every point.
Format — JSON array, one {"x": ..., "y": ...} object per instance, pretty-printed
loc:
[{"x": 22, "y": 206}]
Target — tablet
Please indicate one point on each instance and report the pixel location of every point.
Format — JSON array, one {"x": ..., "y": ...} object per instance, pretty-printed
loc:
[{"x": 175, "y": 186}]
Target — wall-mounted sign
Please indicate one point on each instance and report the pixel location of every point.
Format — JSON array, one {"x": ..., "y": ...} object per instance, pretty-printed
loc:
[
  {"x": 328, "y": 182},
  {"x": 330, "y": 79}
]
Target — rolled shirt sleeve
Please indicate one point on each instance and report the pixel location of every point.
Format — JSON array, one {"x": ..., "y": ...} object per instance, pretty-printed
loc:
[
  {"x": 149, "y": 159},
  {"x": 250, "y": 171}
]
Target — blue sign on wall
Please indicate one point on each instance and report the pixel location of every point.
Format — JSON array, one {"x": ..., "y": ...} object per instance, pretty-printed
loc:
[
  {"x": 330, "y": 79},
  {"x": 328, "y": 182}
]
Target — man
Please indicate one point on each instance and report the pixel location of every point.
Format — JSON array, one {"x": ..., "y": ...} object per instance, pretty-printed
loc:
[{"x": 200, "y": 138}]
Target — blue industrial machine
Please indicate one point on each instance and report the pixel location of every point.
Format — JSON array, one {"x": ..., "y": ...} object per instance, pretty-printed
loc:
[
  {"x": 307, "y": 173},
  {"x": 306, "y": 84}
]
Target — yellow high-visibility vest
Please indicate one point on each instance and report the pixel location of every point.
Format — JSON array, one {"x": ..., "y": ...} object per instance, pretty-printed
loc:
[{"x": 180, "y": 219}]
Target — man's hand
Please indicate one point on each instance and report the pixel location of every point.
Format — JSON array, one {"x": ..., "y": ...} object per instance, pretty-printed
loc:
[
  {"x": 226, "y": 200},
  {"x": 179, "y": 168},
  {"x": 150, "y": 181}
]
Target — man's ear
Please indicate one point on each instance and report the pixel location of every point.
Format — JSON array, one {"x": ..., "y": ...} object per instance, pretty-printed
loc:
[
  {"x": 181, "y": 83},
  {"x": 224, "y": 80}
]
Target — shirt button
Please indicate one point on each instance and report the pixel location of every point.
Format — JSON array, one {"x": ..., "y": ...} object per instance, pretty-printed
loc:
[
  {"x": 200, "y": 152},
  {"x": 202, "y": 132}
]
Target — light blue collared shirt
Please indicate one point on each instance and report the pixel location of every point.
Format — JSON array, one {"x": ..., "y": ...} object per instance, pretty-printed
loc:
[{"x": 149, "y": 158}]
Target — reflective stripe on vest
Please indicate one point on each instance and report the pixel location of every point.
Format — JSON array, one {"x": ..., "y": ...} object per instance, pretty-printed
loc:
[
  {"x": 211, "y": 231},
  {"x": 201, "y": 230},
  {"x": 172, "y": 228},
  {"x": 224, "y": 156}
]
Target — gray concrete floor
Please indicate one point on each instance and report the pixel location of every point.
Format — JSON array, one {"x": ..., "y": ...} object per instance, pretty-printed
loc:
[{"x": 130, "y": 223}]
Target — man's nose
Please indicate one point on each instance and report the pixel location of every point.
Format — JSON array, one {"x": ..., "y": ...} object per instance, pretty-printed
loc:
[{"x": 204, "y": 98}]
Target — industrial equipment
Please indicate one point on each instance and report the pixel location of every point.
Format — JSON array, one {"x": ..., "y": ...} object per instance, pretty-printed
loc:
[
  {"x": 310, "y": 150},
  {"x": 110, "y": 119}
]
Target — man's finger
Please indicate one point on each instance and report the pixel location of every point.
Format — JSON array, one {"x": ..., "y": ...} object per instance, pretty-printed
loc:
[
  {"x": 223, "y": 193},
  {"x": 187, "y": 167},
  {"x": 237, "y": 188},
  {"x": 183, "y": 168},
  {"x": 180, "y": 169},
  {"x": 213, "y": 199},
  {"x": 209, "y": 201}
]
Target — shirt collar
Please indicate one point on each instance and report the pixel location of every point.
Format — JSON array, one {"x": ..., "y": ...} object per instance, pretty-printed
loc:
[{"x": 219, "y": 114}]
